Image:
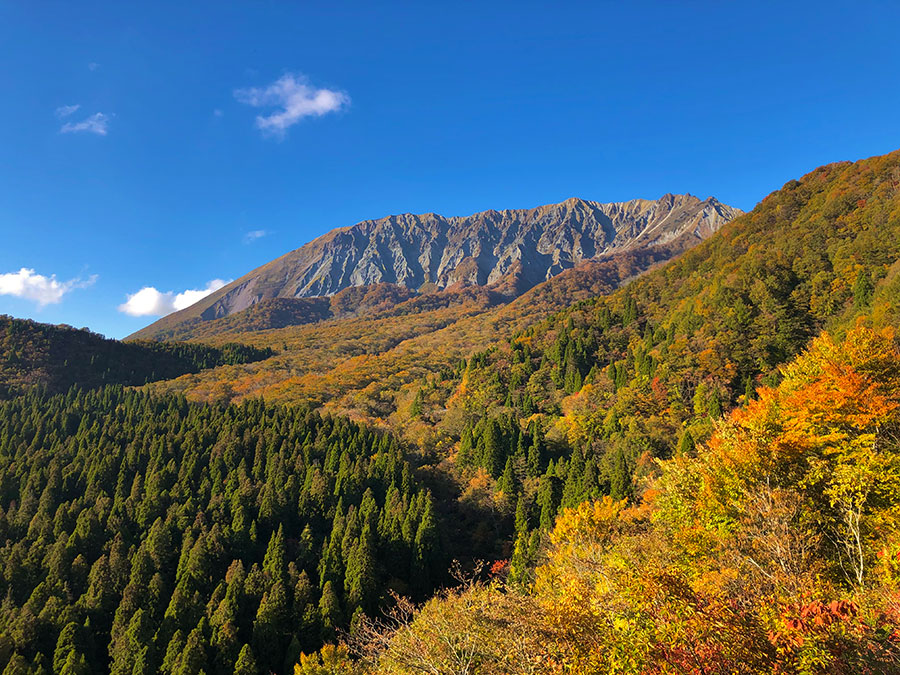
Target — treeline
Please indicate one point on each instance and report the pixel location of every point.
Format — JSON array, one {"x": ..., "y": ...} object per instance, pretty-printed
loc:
[
  {"x": 59, "y": 357},
  {"x": 144, "y": 534}
]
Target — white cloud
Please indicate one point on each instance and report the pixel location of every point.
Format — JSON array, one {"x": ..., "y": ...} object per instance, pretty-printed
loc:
[
  {"x": 95, "y": 124},
  {"x": 253, "y": 235},
  {"x": 293, "y": 98},
  {"x": 150, "y": 302},
  {"x": 28, "y": 284},
  {"x": 66, "y": 110}
]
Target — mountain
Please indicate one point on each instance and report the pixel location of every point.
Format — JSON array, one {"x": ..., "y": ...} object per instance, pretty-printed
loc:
[
  {"x": 513, "y": 249},
  {"x": 624, "y": 371},
  {"x": 709, "y": 326},
  {"x": 365, "y": 364}
]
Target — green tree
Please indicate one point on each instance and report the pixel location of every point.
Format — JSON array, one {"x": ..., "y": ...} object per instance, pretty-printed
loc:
[
  {"x": 329, "y": 610},
  {"x": 246, "y": 664}
]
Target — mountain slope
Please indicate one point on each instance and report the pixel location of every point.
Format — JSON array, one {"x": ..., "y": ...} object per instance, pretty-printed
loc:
[
  {"x": 515, "y": 248},
  {"x": 366, "y": 365},
  {"x": 740, "y": 560},
  {"x": 645, "y": 371}
]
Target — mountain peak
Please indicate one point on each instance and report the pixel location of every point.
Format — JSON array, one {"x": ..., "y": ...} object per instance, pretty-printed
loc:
[{"x": 428, "y": 250}]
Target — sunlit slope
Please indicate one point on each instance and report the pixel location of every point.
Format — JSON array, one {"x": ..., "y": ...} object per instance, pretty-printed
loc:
[
  {"x": 632, "y": 371},
  {"x": 361, "y": 364}
]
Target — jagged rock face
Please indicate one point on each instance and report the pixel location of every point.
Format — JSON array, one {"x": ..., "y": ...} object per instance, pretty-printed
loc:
[
  {"x": 412, "y": 250},
  {"x": 433, "y": 251}
]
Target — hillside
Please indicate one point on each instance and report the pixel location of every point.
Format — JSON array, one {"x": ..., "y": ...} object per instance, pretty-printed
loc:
[
  {"x": 368, "y": 365},
  {"x": 771, "y": 549},
  {"x": 58, "y": 357},
  {"x": 144, "y": 534},
  {"x": 616, "y": 382},
  {"x": 654, "y": 532},
  {"x": 516, "y": 249},
  {"x": 274, "y": 313}
]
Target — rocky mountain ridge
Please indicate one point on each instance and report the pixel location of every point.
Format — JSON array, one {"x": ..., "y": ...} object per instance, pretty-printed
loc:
[{"x": 516, "y": 248}]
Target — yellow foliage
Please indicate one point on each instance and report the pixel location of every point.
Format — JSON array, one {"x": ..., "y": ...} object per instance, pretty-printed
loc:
[
  {"x": 594, "y": 520},
  {"x": 330, "y": 660}
]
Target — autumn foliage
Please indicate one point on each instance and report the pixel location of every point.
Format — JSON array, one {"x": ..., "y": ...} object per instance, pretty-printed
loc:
[{"x": 770, "y": 549}]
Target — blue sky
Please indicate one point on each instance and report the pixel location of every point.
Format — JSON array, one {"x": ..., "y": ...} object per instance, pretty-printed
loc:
[{"x": 209, "y": 138}]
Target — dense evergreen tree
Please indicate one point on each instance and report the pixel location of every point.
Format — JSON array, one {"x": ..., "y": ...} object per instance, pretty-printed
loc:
[{"x": 144, "y": 534}]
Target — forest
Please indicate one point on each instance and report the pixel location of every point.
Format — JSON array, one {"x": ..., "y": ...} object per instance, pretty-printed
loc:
[
  {"x": 771, "y": 548},
  {"x": 691, "y": 467},
  {"x": 59, "y": 357},
  {"x": 147, "y": 534}
]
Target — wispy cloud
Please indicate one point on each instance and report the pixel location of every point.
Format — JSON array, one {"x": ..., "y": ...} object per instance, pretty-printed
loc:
[
  {"x": 293, "y": 98},
  {"x": 150, "y": 302},
  {"x": 95, "y": 124},
  {"x": 93, "y": 65},
  {"x": 253, "y": 235},
  {"x": 66, "y": 110},
  {"x": 29, "y": 285}
]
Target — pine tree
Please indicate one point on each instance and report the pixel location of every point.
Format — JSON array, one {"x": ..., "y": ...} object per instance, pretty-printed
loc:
[
  {"x": 426, "y": 542},
  {"x": 75, "y": 664},
  {"x": 533, "y": 464},
  {"x": 507, "y": 482},
  {"x": 714, "y": 405},
  {"x": 65, "y": 645},
  {"x": 620, "y": 477},
  {"x": 360, "y": 577},
  {"x": 863, "y": 290},
  {"x": 329, "y": 611},
  {"x": 418, "y": 404},
  {"x": 466, "y": 445},
  {"x": 193, "y": 659},
  {"x": 630, "y": 314},
  {"x": 173, "y": 652},
  {"x": 549, "y": 497},
  {"x": 522, "y": 516},
  {"x": 686, "y": 443},
  {"x": 132, "y": 646},
  {"x": 269, "y": 626},
  {"x": 292, "y": 655},
  {"x": 494, "y": 455},
  {"x": 245, "y": 664},
  {"x": 273, "y": 563}
]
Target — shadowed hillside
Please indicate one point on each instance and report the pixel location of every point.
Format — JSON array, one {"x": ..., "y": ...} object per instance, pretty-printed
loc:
[{"x": 58, "y": 357}]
